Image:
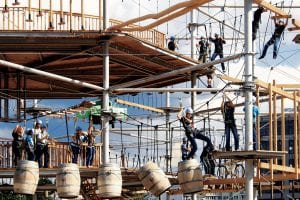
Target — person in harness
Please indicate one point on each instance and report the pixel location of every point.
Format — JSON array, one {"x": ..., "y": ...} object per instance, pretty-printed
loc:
[
  {"x": 275, "y": 39},
  {"x": 202, "y": 47},
  {"x": 42, "y": 147},
  {"x": 191, "y": 132},
  {"x": 76, "y": 143},
  {"x": 208, "y": 161},
  {"x": 17, "y": 144},
  {"x": 30, "y": 145},
  {"x": 184, "y": 149}
]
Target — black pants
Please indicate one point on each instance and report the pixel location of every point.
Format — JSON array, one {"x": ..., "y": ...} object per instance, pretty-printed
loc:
[
  {"x": 40, "y": 150},
  {"x": 17, "y": 151},
  {"x": 207, "y": 161},
  {"x": 200, "y": 135}
]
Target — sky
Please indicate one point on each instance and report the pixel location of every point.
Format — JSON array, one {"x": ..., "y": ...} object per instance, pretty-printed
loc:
[{"x": 285, "y": 69}]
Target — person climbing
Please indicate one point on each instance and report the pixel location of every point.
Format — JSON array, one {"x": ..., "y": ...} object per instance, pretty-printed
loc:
[
  {"x": 202, "y": 47},
  {"x": 172, "y": 44},
  {"x": 275, "y": 39},
  {"x": 184, "y": 149},
  {"x": 191, "y": 132},
  {"x": 208, "y": 161},
  {"x": 256, "y": 21},
  {"x": 17, "y": 135},
  {"x": 227, "y": 109},
  {"x": 218, "y": 41}
]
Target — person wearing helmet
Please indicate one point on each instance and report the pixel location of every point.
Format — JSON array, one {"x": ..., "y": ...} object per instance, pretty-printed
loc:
[
  {"x": 218, "y": 42},
  {"x": 36, "y": 130},
  {"x": 17, "y": 135},
  {"x": 30, "y": 145},
  {"x": 227, "y": 109},
  {"x": 191, "y": 132},
  {"x": 76, "y": 143},
  {"x": 172, "y": 44},
  {"x": 202, "y": 47},
  {"x": 42, "y": 147},
  {"x": 275, "y": 39},
  {"x": 184, "y": 149}
]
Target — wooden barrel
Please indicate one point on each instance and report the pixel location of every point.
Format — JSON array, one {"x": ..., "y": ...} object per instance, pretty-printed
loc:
[
  {"x": 190, "y": 176},
  {"x": 153, "y": 179},
  {"x": 26, "y": 177},
  {"x": 68, "y": 180},
  {"x": 109, "y": 181}
]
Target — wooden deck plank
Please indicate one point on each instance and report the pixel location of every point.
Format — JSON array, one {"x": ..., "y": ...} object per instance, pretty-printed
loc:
[{"x": 243, "y": 155}]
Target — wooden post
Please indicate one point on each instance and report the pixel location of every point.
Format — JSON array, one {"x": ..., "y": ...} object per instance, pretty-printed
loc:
[
  {"x": 50, "y": 17},
  {"x": 275, "y": 122},
  {"x": 61, "y": 20},
  {"x": 271, "y": 135},
  {"x": 29, "y": 12},
  {"x": 295, "y": 135},
  {"x": 82, "y": 15},
  {"x": 298, "y": 129},
  {"x": 70, "y": 13},
  {"x": 100, "y": 15},
  {"x": 283, "y": 142},
  {"x": 40, "y": 9}
]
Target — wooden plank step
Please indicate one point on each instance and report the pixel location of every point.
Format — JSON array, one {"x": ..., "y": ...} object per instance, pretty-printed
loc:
[
  {"x": 244, "y": 155},
  {"x": 272, "y": 8}
]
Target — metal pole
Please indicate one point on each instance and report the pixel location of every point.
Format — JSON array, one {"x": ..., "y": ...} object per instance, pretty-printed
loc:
[
  {"x": 167, "y": 131},
  {"x": 248, "y": 87},
  {"x": 100, "y": 15},
  {"x": 105, "y": 100},
  {"x": 48, "y": 74}
]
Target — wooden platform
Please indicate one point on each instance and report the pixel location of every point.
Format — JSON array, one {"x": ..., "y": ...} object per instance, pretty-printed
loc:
[{"x": 244, "y": 155}]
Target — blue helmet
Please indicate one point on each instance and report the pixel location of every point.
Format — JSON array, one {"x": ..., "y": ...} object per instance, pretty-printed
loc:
[
  {"x": 43, "y": 126},
  {"x": 172, "y": 38},
  {"x": 39, "y": 121},
  {"x": 78, "y": 128}
]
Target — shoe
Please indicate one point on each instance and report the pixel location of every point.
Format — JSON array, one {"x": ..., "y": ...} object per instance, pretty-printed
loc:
[
  {"x": 208, "y": 86},
  {"x": 261, "y": 57},
  {"x": 224, "y": 71},
  {"x": 274, "y": 56}
]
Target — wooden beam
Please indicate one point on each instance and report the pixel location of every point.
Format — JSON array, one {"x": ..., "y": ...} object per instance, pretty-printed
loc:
[
  {"x": 121, "y": 101},
  {"x": 272, "y": 8},
  {"x": 281, "y": 168},
  {"x": 178, "y": 9},
  {"x": 296, "y": 23}
]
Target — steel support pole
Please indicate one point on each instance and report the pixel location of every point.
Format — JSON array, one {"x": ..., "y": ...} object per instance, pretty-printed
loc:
[
  {"x": 192, "y": 32},
  {"x": 248, "y": 87},
  {"x": 105, "y": 98},
  {"x": 167, "y": 132}
]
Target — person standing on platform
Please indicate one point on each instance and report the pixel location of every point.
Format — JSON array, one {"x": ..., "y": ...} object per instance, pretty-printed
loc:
[
  {"x": 184, "y": 149},
  {"x": 76, "y": 144},
  {"x": 218, "y": 41},
  {"x": 42, "y": 147},
  {"x": 17, "y": 143},
  {"x": 255, "y": 110},
  {"x": 208, "y": 161},
  {"x": 202, "y": 47},
  {"x": 90, "y": 150},
  {"x": 30, "y": 145},
  {"x": 227, "y": 109}
]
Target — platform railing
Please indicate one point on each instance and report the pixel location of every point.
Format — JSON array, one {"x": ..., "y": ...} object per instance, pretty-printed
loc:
[
  {"x": 22, "y": 19},
  {"x": 59, "y": 153}
]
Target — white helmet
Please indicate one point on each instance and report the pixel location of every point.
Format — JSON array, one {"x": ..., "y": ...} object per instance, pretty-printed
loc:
[{"x": 188, "y": 110}]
